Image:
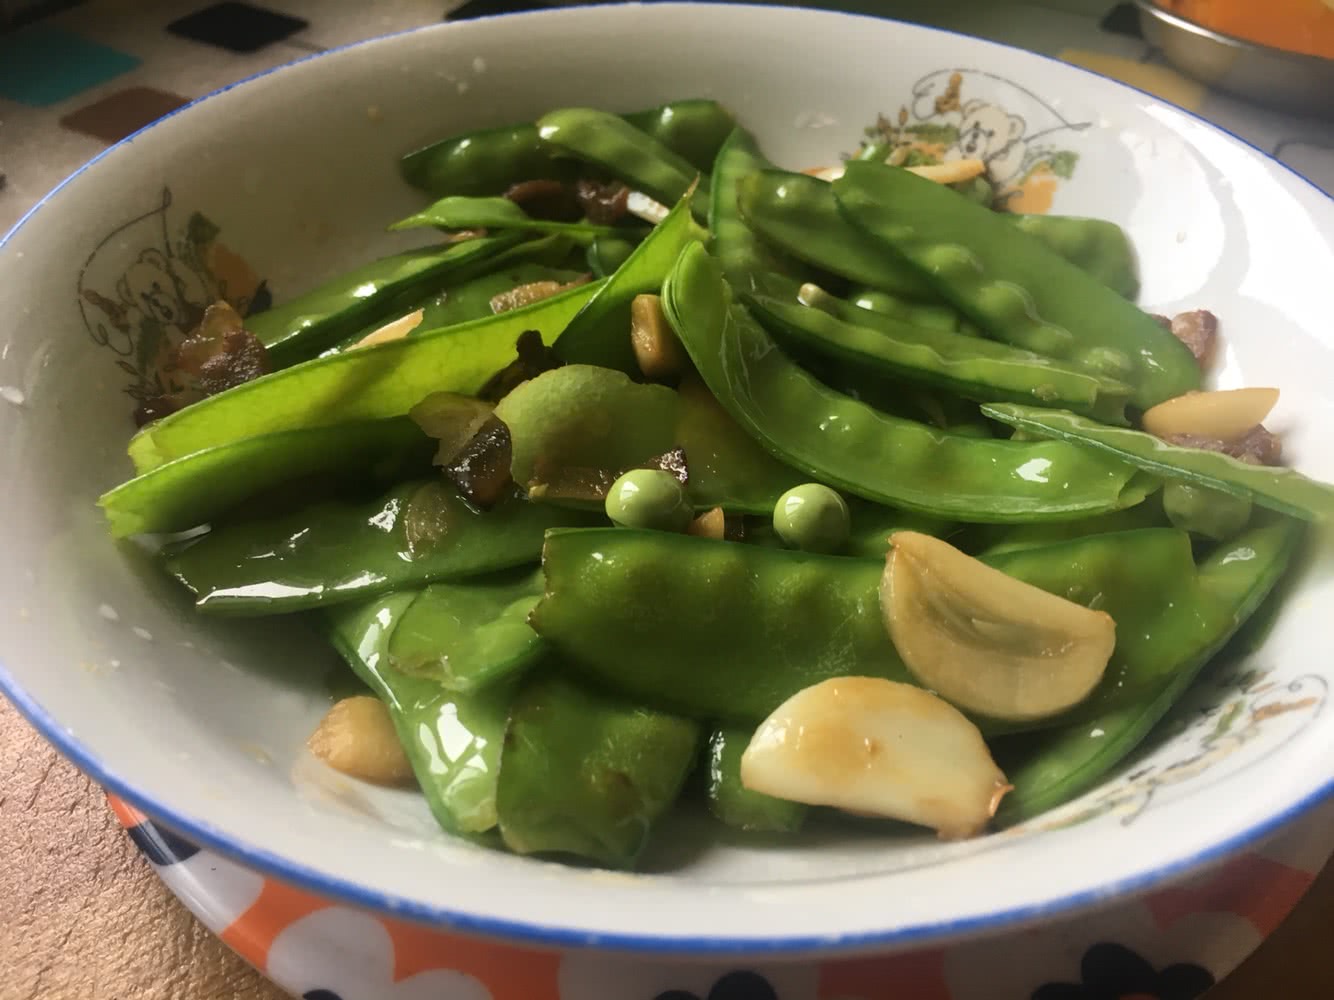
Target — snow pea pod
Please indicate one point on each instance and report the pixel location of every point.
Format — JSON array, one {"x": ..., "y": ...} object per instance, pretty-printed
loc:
[
  {"x": 719, "y": 630},
  {"x": 1012, "y": 285},
  {"x": 1050, "y": 768},
  {"x": 471, "y": 300},
  {"x": 470, "y": 634},
  {"x": 1276, "y": 487},
  {"x": 1096, "y": 246},
  {"x": 798, "y": 214},
  {"x": 452, "y": 740},
  {"x": 302, "y": 327},
  {"x": 587, "y": 775},
  {"x": 599, "y": 334},
  {"x": 636, "y": 158},
  {"x": 343, "y": 551},
  {"x": 873, "y": 300},
  {"x": 195, "y": 489},
  {"x": 744, "y": 256},
  {"x": 486, "y": 162},
  {"x": 694, "y": 129},
  {"x": 386, "y": 380},
  {"x": 849, "y": 445},
  {"x": 734, "y": 803},
  {"x": 464, "y": 212},
  {"x": 974, "y": 368}
]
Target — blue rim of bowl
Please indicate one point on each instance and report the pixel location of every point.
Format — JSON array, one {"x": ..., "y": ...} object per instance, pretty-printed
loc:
[{"x": 521, "y": 932}]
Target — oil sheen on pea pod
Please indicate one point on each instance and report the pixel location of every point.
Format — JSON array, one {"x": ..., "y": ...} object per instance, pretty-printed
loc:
[
  {"x": 386, "y": 380},
  {"x": 301, "y": 327},
  {"x": 471, "y": 633},
  {"x": 585, "y": 417},
  {"x": 971, "y": 367},
  {"x": 599, "y": 334},
  {"x": 452, "y": 740},
  {"x": 798, "y": 214},
  {"x": 717, "y": 630},
  {"x": 1096, "y": 246},
  {"x": 735, "y": 804},
  {"x": 854, "y": 448},
  {"x": 1276, "y": 487},
  {"x": 1050, "y": 768},
  {"x": 610, "y": 142},
  {"x": 742, "y": 254},
  {"x": 694, "y": 129},
  {"x": 340, "y": 550},
  {"x": 587, "y": 775},
  {"x": 1012, "y": 284},
  {"x": 197, "y": 488},
  {"x": 464, "y": 212}
]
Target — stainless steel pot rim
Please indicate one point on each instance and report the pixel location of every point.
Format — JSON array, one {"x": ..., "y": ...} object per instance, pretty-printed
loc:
[{"x": 1222, "y": 38}]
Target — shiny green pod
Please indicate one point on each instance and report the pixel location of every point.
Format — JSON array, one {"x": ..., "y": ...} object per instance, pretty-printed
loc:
[
  {"x": 464, "y": 212},
  {"x": 744, "y": 257},
  {"x": 735, "y": 804}
]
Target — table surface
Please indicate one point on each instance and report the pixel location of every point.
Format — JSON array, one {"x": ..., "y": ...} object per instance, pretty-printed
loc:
[{"x": 81, "y": 912}]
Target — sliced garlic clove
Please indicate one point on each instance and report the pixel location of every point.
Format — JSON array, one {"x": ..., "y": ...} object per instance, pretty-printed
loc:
[
  {"x": 641, "y": 206},
  {"x": 357, "y": 738},
  {"x": 953, "y": 172},
  {"x": 825, "y": 173},
  {"x": 985, "y": 641},
  {"x": 657, "y": 351},
  {"x": 1221, "y": 415},
  {"x": 876, "y": 747},
  {"x": 392, "y": 330}
]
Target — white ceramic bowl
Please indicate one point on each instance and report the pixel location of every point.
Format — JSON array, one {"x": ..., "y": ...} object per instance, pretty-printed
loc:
[{"x": 202, "y": 724}]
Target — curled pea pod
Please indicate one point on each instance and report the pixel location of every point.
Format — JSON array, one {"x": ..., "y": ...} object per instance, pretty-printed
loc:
[
  {"x": 452, "y": 740},
  {"x": 197, "y": 488},
  {"x": 343, "y": 551},
  {"x": 301, "y": 327},
  {"x": 970, "y": 366},
  {"x": 463, "y": 212},
  {"x": 798, "y": 214},
  {"x": 1276, "y": 487},
  {"x": 386, "y": 380},
  {"x": 1014, "y": 286},
  {"x": 849, "y": 445},
  {"x": 735, "y": 804},
  {"x": 744, "y": 257},
  {"x": 765, "y": 623},
  {"x": 471, "y": 634},
  {"x": 1050, "y": 768},
  {"x": 588, "y": 775},
  {"x": 610, "y": 142},
  {"x": 485, "y": 163},
  {"x": 599, "y": 334}
]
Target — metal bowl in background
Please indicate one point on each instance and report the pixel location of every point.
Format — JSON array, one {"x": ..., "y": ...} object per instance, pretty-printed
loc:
[{"x": 1303, "y": 84}]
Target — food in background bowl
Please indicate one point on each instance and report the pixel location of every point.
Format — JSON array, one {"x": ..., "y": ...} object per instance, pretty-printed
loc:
[
  {"x": 618, "y": 586},
  {"x": 1305, "y": 26}
]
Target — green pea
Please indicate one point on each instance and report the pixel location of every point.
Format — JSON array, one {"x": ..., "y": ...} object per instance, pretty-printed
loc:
[
  {"x": 648, "y": 498},
  {"x": 812, "y": 517},
  {"x": 1203, "y": 511}
]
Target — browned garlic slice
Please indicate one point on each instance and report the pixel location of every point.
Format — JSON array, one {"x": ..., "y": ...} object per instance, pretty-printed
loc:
[
  {"x": 877, "y": 747},
  {"x": 657, "y": 351},
  {"x": 357, "y": 738},
  {"x": 392, "y": 330},
  {"x": 952, "y": 172},
  {"x": 985, "y": 641},
  {"x": 1221, "y": 415}
]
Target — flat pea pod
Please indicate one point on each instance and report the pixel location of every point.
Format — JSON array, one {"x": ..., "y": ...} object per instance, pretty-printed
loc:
[
  {"x": 798, "y": 215},
  {"x": 1096, "y": 246},
  {"x": 465, "y": 212},
  {"x": 193, "y": 490},
  {"x": 386, "y": 380},
  {"x": 695, "y": 129},
  {"x": 303, "y": 326},
  {"x": 344, "y": 551},
  {"x": 588, "y": 775},
  {"x": 486, "y": 162},
  {"x": 452, "y": 740},
  {"x": 735, "y": 804},
  {"x": 720, "y": 630},
  {"x": 610, "y": 142},
  {"x": 470, "y": 634},
  {"x": 1276, "y": 487},
  {"x": 1014, "y": 286},
  {"x": 744, "y": 257},
  {"x": 850, "y": 446},
  {"x": 1050, "y": 768},
  {"x": 599, "y": 334},
  {"x": 869, "y": 299},
  {"x": 969, "y": 366}
]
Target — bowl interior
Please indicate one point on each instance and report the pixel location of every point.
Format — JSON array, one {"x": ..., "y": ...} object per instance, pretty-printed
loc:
[{"x": 289, "y": 177}]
